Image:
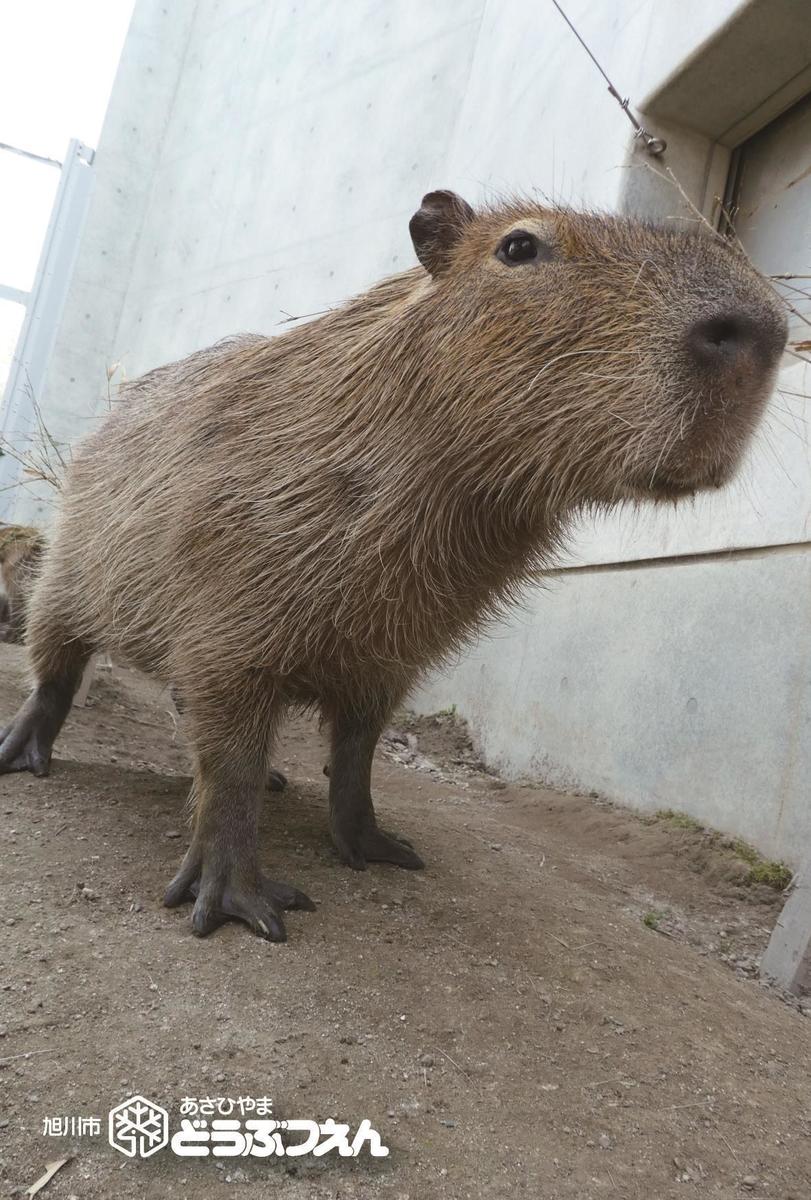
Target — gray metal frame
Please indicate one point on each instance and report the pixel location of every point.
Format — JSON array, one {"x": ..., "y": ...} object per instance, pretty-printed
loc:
[{"x": 44, "y": 307}]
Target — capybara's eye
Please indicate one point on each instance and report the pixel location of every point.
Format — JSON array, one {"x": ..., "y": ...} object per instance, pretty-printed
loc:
[{"x": 518, "y": 247}]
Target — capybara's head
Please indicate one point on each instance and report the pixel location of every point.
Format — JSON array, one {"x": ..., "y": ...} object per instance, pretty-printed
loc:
[{"x": 626, "y": 360}]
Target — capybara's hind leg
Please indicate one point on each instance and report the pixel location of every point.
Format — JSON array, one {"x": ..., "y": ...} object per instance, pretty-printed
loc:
[
  {"x": 354, "y": 828},
  {"x": 59, "y": 660},
  {"x": 221, "y": 870}
]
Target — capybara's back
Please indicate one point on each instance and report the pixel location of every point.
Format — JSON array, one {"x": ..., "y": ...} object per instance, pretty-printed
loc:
[{"x": 318, "y": 517}]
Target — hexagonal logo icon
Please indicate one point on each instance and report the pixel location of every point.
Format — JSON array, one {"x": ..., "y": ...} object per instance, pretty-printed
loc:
[{"x": 138, "y": 1127}]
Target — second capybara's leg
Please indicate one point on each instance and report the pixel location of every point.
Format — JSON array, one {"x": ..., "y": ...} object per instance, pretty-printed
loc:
[
  {"x": 221, "y": 871},
  {"x": 353, "y": 825},
  {"x": 58, "y": 659}
]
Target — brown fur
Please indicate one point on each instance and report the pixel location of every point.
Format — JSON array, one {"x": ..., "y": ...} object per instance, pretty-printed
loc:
[
  {"x": 21, "y": 549},
  {"x": 317, "y": 518}
]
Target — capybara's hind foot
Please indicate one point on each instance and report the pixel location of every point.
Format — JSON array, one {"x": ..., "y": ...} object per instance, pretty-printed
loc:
[
  {"x": 276, "y": 781},
  {"x": 222, "y": 892},
  {"x": 26, "y": 744},
  {"x": 374, "y": 845}
]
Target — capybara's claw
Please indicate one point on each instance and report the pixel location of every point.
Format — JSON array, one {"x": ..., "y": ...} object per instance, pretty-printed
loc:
[
  {"x": 260, "y": 907},
  {"x": 212, "y": 907},
  {"x": 218, "y": 898},
  {"x": 375, "y": 845}
]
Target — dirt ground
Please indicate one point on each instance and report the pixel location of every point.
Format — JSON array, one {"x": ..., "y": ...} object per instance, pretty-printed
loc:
[{"x": 506, "y": 1018}]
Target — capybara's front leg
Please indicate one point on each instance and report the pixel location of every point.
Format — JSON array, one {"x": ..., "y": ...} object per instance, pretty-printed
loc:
[
  {"x": 275, "y": 781},
  {"x": 221, "y": 871},
  {"x": 354, "y": 828}
]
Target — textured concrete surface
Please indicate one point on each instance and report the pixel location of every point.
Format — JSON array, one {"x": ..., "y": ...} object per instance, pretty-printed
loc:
[{"x": 129, "y": 149}]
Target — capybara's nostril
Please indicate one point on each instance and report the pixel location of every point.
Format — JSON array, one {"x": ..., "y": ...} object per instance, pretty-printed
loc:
[{"x": 721, "y": 341}]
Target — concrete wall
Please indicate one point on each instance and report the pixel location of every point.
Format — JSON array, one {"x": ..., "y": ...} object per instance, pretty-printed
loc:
[
  {"x": 262, "y": 160},
  {"x": 682, "y": 686},
  {"x": 125, "y": 162}
]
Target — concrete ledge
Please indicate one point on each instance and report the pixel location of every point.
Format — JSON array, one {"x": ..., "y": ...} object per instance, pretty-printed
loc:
[{"x": 787, "y": 960}]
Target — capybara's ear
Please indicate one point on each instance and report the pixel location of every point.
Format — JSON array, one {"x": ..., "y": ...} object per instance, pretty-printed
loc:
[{"x": 436, "y": 227}]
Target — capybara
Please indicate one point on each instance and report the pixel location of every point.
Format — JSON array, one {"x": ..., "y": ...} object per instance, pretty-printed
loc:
[
  {"x": 378, "y": 482},
  {"x": 21, "y": 549}
]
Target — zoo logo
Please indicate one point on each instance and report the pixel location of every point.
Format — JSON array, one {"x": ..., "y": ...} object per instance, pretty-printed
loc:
[{"x": 138, "y": 1127}]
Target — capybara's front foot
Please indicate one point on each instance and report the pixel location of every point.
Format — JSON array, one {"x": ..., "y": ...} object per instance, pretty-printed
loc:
[
  {"x": 276, "y": 781},
  {"x": 223, "y": 889},
  {"x": 358, "y": 847},
  {"x": 26, "y": 744}
]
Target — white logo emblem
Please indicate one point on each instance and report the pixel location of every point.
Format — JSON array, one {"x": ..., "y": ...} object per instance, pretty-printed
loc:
[{"x": 138, "y": 1127}]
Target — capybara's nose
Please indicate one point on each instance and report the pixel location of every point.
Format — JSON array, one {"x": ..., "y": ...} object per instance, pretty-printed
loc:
[{"x": 731, "y": 339}]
